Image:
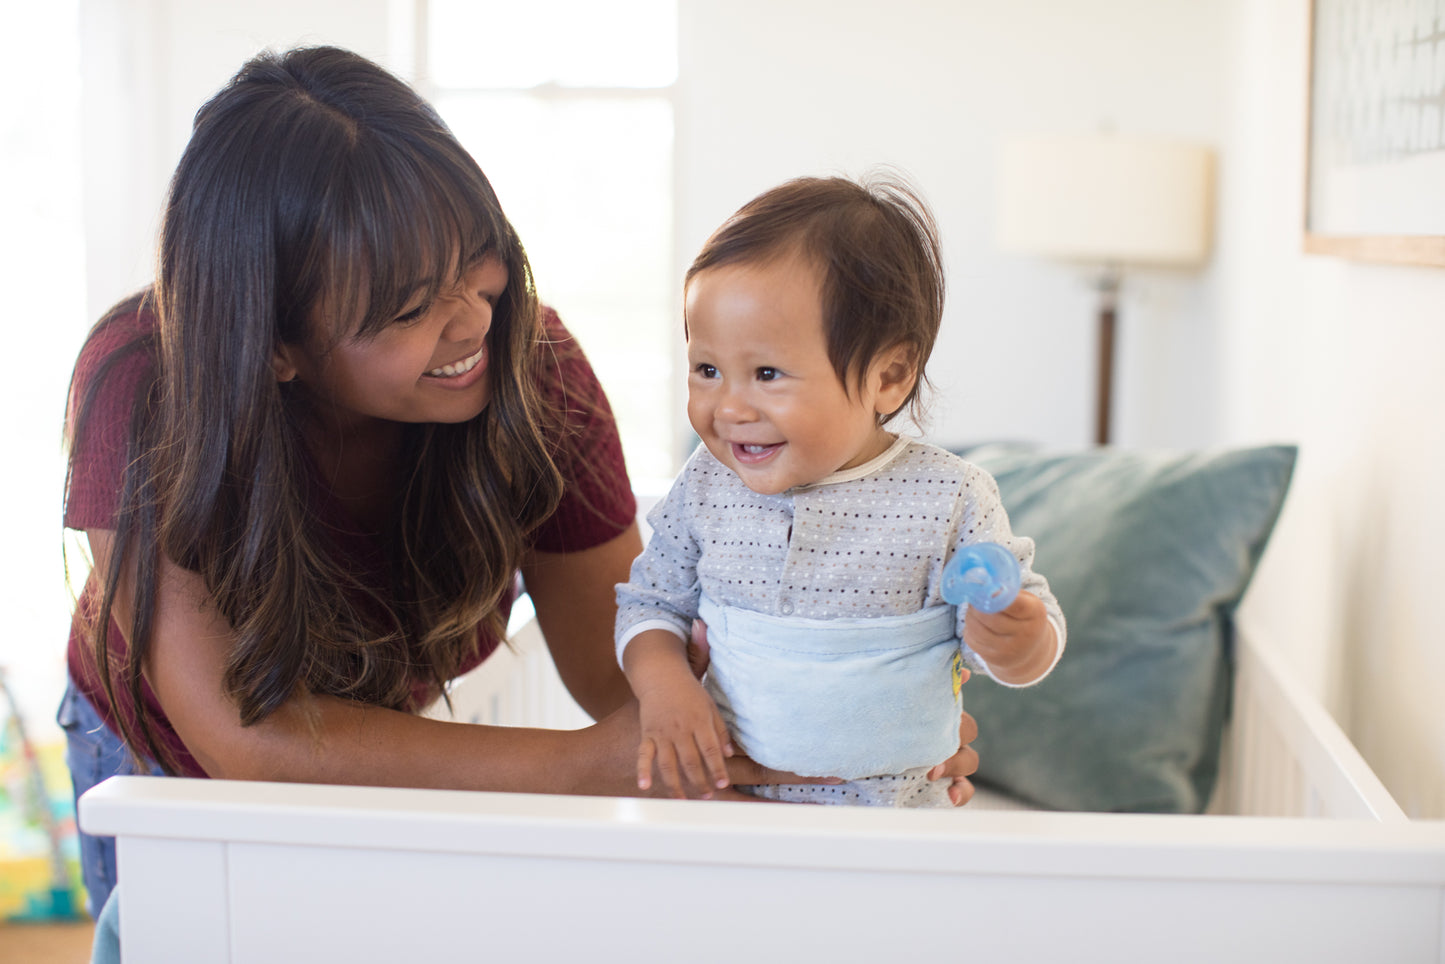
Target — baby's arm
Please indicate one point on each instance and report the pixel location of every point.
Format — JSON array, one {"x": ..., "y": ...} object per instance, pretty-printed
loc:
[
  {"x": 682, "y": 732},
  {"x": 1019, "y": 644}
]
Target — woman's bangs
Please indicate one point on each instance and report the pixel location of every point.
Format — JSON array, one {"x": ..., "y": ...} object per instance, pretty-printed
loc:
[{"x": 420, "y": 228}]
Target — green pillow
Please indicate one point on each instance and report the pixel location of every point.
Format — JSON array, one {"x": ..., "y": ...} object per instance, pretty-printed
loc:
[{"x": 1148, "y": 553}]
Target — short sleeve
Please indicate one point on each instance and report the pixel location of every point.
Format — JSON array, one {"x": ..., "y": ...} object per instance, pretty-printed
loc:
[
  {"x": 114, "y": 366},
  {"x": 597, "y": 503}
]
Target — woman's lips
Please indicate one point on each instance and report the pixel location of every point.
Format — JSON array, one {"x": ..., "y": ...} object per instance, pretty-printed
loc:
[
  {"x": 462, "y": 374},
  {"x": 462, "y": 367}
]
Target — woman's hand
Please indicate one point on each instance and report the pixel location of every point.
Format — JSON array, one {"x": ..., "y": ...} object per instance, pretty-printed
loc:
[{"x": 962, "y": 765}]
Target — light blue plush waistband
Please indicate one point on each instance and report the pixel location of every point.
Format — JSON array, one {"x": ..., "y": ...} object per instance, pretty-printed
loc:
[{"x": 836, "y": 697}]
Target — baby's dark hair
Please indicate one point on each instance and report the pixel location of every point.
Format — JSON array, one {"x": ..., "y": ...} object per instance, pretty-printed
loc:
[{"x": 876, "y": 246}]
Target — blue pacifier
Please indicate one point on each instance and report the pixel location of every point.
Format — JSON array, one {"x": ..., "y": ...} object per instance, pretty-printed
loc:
[{"x": 984, "y": 575}]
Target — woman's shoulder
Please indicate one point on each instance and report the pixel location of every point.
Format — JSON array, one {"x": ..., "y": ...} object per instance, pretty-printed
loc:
[
  {"x": 123, "y": 339},
  {"x": 564, "y": 372},
  {"x": 116, "y": 364}
]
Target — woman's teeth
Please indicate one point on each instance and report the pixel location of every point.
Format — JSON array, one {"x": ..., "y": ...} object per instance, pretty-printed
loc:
[{"x": 461, "y": 367}]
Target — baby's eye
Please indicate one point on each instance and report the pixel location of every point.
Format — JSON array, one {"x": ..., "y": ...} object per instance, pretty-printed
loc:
[
  {"x": 767, "y": 374},
  {"x": 706, "y": 370}
]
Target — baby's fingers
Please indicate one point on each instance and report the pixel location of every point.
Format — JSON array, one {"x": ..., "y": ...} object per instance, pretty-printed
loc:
[
  {"x": 696, "y": 758},
  {"x": 670, "y": 769},
  {"x": 713, "y": 751},
  {"x": 646, "y": 754}
]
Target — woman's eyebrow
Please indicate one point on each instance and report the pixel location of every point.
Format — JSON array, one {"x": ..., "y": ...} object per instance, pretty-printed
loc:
[{"x": 416, "y": 289}]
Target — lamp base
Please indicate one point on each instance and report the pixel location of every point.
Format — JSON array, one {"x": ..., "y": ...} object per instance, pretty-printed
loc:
[{"x": 1108, "y": 289}]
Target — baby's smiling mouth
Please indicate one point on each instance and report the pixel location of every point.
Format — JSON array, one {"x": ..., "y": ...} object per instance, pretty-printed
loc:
[
  {"x": 461, "y": 367},
  {"x": 752, "y": 452}
]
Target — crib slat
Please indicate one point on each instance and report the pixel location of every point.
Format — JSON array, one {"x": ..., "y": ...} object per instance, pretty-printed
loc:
[{"x": 1297, "y": 762}]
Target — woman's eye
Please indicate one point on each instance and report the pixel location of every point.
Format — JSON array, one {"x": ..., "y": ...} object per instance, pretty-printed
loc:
[
  {"x": 766, "y": 374},
  {"x": 413, "y": 316}
]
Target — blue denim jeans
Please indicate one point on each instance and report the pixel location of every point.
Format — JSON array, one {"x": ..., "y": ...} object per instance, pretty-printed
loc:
[{"x": 94, "y": 753}]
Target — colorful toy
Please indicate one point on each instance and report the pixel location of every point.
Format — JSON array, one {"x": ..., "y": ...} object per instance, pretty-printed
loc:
[{"x": 39, "y": 872}]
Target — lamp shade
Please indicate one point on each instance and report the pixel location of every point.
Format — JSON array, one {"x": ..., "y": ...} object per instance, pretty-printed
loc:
[{"x": 1106, "y": 198}]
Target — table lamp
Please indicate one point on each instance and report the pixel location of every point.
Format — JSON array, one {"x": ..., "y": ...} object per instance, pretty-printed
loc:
[{"x": 1111, "y": 203}]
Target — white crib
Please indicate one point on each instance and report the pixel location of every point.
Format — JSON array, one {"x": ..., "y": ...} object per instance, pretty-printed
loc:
[{"x": 1305, "y": 857}]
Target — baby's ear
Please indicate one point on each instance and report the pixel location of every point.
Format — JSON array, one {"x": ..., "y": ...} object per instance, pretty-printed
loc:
[{"x": 895, "y": 373}]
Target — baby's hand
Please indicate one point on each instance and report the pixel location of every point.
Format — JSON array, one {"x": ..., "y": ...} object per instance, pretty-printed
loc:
[
  {"x": 684, "y": 737},
  {"x": 1017, "y": 642}
]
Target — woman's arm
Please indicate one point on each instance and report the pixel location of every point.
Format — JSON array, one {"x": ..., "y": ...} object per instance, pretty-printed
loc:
[
  {"x": 576, "y": 599},
  {"x": 321, "y": 739}
]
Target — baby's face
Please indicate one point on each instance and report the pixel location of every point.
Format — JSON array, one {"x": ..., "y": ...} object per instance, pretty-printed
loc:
[{"x": 761, "y": 392}]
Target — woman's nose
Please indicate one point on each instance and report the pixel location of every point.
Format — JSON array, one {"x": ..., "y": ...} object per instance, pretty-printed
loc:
[{"x": 471, "y": 317}]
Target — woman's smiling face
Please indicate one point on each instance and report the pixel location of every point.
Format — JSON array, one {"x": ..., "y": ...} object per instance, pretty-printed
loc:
[{"x": 430, "y": 365}]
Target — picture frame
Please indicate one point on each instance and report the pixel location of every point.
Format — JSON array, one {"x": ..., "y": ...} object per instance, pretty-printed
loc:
[{"x": 1375, "y": 151}]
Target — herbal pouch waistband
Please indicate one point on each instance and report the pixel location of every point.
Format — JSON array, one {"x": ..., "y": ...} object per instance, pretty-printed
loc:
[{"x": 836, "y": 697}]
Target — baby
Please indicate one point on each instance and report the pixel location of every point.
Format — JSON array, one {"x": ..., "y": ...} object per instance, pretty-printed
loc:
[{"x": 808, "y": 538}]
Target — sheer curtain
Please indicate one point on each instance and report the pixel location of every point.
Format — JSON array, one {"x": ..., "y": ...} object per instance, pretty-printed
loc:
[
  {"x": 574, "y": 128},
  {"x": 43, "y": 260}
]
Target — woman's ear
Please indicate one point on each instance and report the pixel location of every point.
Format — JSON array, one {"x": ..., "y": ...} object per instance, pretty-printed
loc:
[
  {"x": 283, "y": 364},
  {"x": 895, "y": 372}
]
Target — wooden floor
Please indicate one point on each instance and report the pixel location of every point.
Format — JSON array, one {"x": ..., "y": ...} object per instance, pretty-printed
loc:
[{"x": 46, "y": 943}]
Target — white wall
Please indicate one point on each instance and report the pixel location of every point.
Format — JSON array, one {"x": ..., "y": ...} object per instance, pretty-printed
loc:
[
  {"x": 1346, "y": 358},
  {"x": 773, "y": 90},
  {"x": 1266, "y": 344},
  {"x": 147, "y": 66}
]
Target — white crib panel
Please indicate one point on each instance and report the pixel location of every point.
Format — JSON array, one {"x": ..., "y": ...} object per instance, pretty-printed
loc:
[
  {"x": 360, "y": 872},
  {"x": 175, "y": 904},
  {"x": 515, "y": 908}
]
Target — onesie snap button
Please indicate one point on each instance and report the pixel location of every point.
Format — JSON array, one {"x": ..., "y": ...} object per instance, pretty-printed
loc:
[{"x": 786, "y": 608}]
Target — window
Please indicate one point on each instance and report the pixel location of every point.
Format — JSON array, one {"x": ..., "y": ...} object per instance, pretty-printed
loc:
[
  {"x": 43, "y": 256},
  {"x": 574, "y": 128}
]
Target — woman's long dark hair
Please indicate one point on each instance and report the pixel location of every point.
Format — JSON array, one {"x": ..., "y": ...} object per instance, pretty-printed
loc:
[{"x": 315, "y": 177}]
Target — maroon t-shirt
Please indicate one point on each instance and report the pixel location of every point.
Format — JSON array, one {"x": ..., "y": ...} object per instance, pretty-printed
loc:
[{"x": 597, "y": 505}]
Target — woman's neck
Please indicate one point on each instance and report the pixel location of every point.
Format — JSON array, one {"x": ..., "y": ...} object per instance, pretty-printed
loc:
[{"x": 359, "y": 464}]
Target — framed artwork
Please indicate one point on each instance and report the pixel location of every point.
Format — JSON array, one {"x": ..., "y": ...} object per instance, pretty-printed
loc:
[{"x": 1375, "y": 183}]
